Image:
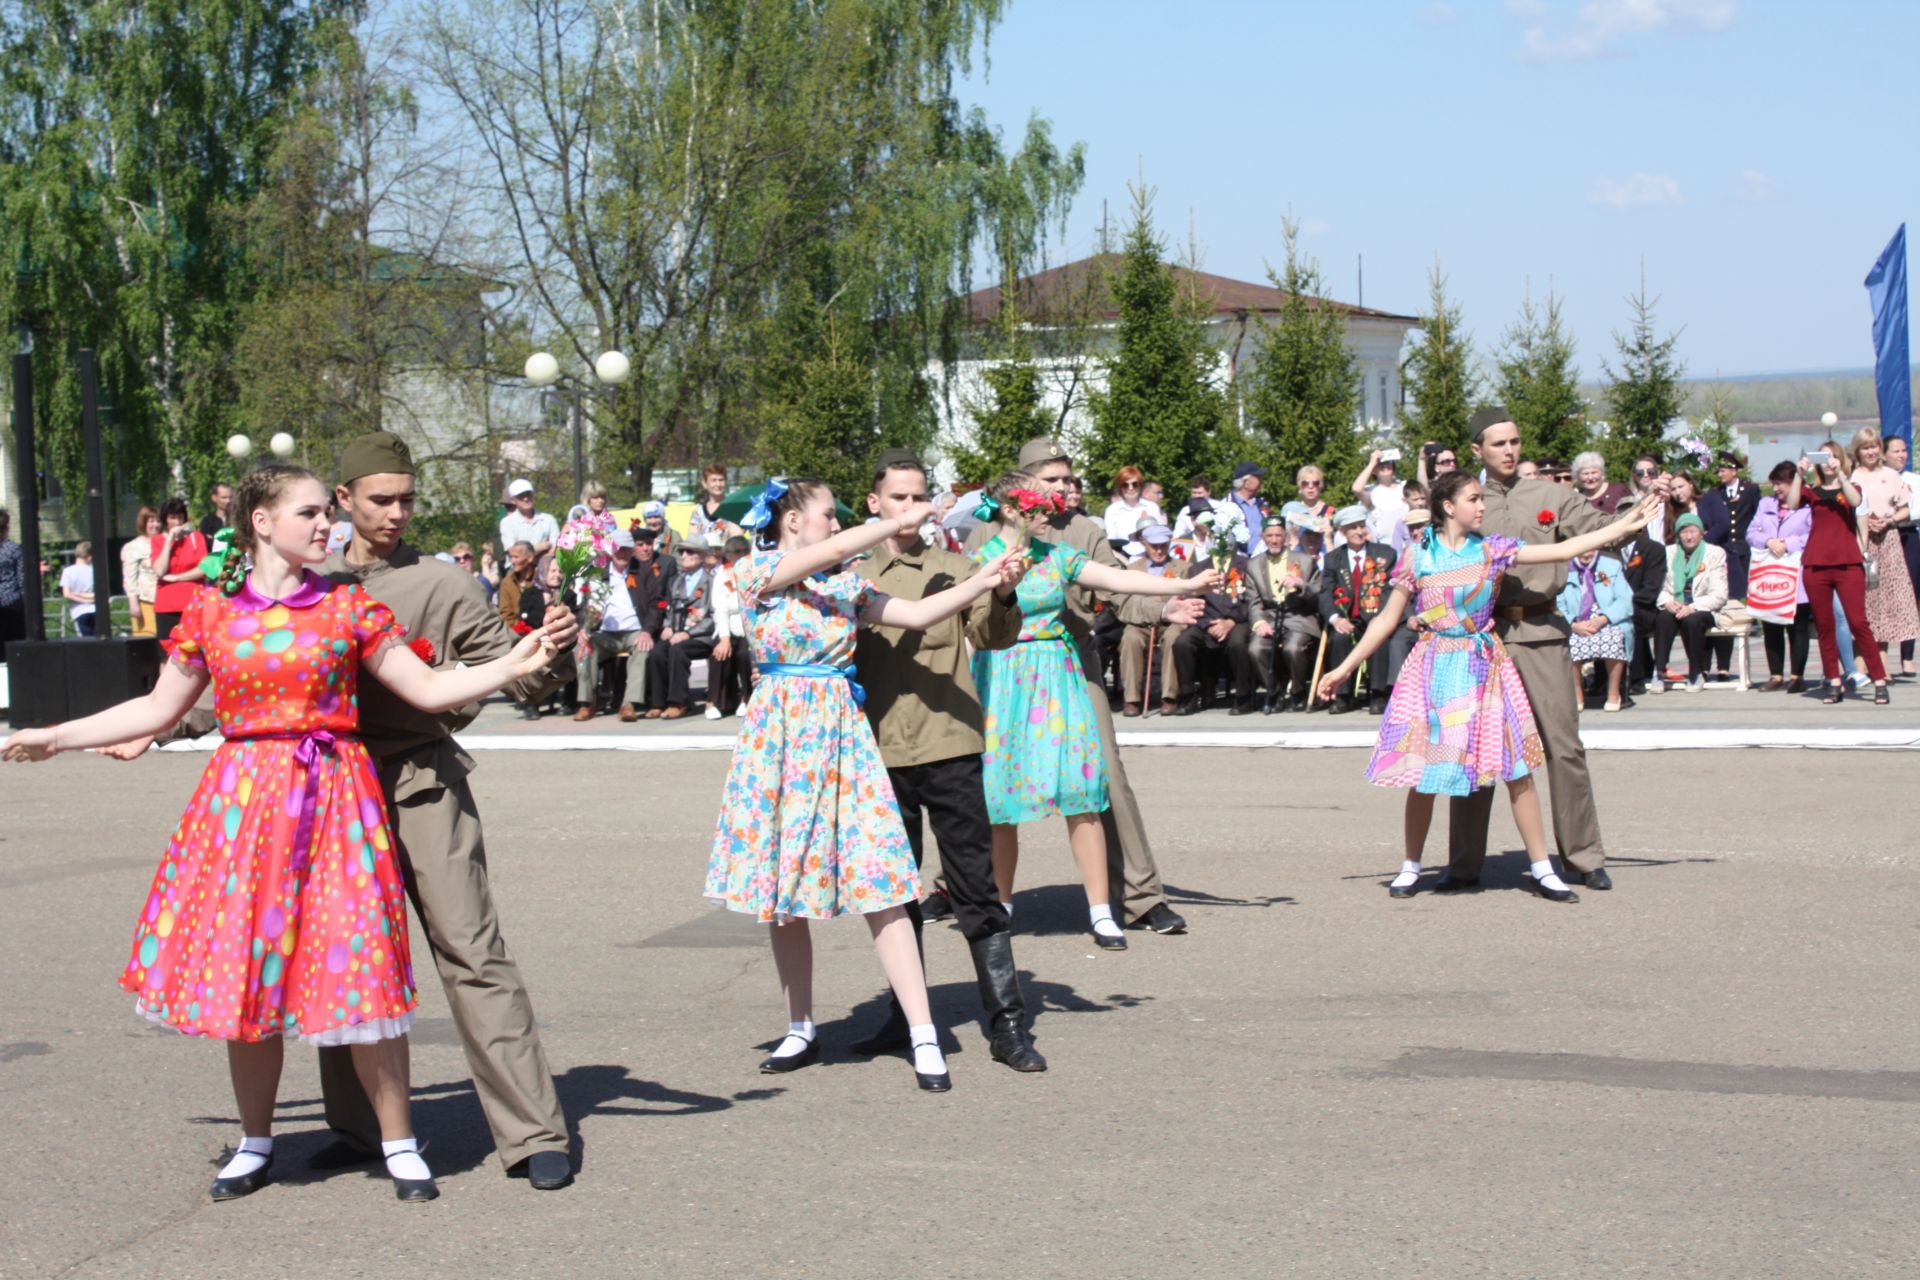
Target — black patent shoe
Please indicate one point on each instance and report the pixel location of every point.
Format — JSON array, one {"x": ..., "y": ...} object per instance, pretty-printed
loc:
[
  {"x": 1118, "y": 942},
  {"x": 1450, "y": 883},
  {"x": 1403, "y": 890},
  {"x": 773, "y": 1066},
  {"x": 1552, "y": 895},
  {"x": 1596, "y": 879},
  {"x": 547, "y": 1170},
  {"x": 941, "y": 1083},
  {"x": 243, "y": 1185},
  {"x": 415, "y": 1190}
]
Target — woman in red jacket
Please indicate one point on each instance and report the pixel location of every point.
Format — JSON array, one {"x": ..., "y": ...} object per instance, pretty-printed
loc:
[
  {"x": 1834, "y": 566},
  {"x": 177, "y": 554}
]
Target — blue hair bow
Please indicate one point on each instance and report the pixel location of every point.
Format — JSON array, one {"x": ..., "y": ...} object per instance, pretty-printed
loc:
[{"x": 760, "y": 514}]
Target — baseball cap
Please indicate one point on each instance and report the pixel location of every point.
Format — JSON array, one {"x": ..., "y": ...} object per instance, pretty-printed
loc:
[
  {"x": 518, "y": 487},
  {"x": 1158, "y": 534},
  {"x": 623, "y": 537},
  {"x": 653, "y": 510},
  {"x": 1245, "y": 469}
]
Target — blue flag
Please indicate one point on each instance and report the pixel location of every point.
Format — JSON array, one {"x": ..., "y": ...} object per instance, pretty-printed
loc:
[{"x": 1892, "y": 371}]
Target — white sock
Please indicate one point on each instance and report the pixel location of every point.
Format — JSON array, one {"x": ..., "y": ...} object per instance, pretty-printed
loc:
[
  {"x": 799, "y": 1036},
  {"x": 927, "y": 1058},
  {"x": 1103, "y": 924},
  {"x": 1409, "y": 872},
  {"x": 1009, "y": 910},
  {"x": 252, "y": 1155},
  {"x": 1543, "y": 872},
  {"x": 403, "y": 1160}
]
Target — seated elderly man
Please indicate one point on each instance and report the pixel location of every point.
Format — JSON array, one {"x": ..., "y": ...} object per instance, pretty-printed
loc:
[
  {"x": 1284, "y": 595},
  {"x": 1353, "y": 588},
  {"x": 1157, "y": 542},
  {"x": 686, "y": 636},
  {"x": 1224, "y": 630},
  {"x": 630, "y": 623}
]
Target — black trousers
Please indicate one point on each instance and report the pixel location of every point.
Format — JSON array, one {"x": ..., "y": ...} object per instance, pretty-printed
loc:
[
  {"x": 84, "y": 624},
  {"x": 1194, "y": 644},
  {"x": 1910, "y": 547},
  {"x": 1789, "y": 639},
  {"x": 1693, "y": 637},
  {"x": 1339, "y": 646},
  {"x": 1645, "y": 618},
  {"x": 164, "y": 623},
  {"x": 670, "y": 670},
  {"x": 953, "y": 794},
  {"x": 730, "y": 683}
]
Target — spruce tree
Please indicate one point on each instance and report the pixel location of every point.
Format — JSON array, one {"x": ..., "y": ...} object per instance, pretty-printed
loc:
[
  {"x": 828, "y": 428},
  {"x": 1160, "y": 410},
  {"x": 1716, "y": 425},
  {"x": 1537, "y": 381},
  {"x": 1643, "y": 391},
  {"x": 1302, "y": 394},
  {"x": 1442, "y": 384}
]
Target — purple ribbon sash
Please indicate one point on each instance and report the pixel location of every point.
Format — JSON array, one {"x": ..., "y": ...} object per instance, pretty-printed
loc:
[{"x": 311, "y": 746}]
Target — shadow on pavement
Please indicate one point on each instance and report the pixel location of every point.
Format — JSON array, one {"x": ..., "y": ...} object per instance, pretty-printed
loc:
[{"x": 1195, "y": 898}]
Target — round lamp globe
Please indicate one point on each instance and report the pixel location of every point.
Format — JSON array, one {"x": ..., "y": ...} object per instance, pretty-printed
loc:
[
  {"x": 281, "y": 444},
  {"x": 542, "y": 369},
  {"x": 238, "y": 446},
  {"x": 612, "y": 367}
]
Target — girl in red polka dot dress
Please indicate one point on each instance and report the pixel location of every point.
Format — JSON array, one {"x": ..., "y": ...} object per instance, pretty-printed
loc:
[{"x": 278, "y": 909}]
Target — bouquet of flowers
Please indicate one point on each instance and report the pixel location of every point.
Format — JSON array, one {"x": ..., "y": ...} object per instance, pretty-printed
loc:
[
  {"x": 1226, "y": 529},
  {"x": 1697, "y": 449},
  {"x": 583, "y": 551}
]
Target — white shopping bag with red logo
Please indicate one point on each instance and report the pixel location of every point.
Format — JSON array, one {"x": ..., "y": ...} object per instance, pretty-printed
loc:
[{"x": 1773, "y": 586}]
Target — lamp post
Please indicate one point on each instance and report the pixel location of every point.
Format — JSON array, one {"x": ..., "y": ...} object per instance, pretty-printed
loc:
[{"x": 610, "y": 370}]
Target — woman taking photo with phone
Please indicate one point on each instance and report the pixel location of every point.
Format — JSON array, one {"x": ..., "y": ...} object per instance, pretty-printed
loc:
[
  {"x": 1884, "y": 504},
  {"x": 1833, "y": 565}
]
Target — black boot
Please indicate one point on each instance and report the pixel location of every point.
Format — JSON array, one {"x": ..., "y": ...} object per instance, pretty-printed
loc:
[{"x": 1006, "y": 1007}]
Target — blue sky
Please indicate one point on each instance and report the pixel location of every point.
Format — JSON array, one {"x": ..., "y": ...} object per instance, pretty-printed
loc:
[{"x": 1756, "y": 155}]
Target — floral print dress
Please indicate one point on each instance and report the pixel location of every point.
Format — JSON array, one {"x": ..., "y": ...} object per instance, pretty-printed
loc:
[
  {"x": 1459, "y": 718},
  {"x": 1043, "y": 753},
  {"x": 808, "y": 826},
  {"x": 278, "y": 908}
]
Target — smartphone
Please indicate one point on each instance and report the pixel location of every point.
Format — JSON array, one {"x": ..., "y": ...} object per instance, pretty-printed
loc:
[
  {"x": 1389, "y": 455},
  {"x": 1821, "y": 459}
]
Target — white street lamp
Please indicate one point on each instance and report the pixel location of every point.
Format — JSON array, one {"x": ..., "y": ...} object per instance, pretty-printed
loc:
[
  {"x": 281, "y": 444},
  {"x": 612, "y": 367},
  {"x": 1829, "y": 419},
  {"x": 238, "y": 446},
  {"x": 542, "y": 369}
]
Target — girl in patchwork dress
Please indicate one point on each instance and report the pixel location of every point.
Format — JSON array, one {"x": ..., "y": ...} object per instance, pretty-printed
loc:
[
  {"x": 808, "y": 826},
  {"x": 278, "y": 909},
  {"x": 1459, "y": 718},
  {"x": 1043, "y": 754}
]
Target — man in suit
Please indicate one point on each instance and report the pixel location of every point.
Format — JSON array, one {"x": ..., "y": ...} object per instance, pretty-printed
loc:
[
  {"x": 629, "y": 623},
  {"x": 1225, "y": 627},
  {"x": 1535, "y": 635},
  {"x": 1284, "y": 591},
  {"x": 1731, "y": 507},
  {"x": 1353, "y": 587},
  {"x": 1143, "y": 903}
]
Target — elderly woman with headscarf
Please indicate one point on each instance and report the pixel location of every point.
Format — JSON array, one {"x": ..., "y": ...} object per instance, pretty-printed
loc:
[
  {"x": 1696, "y": 586},
  {"x": 1599, "y": 604}
]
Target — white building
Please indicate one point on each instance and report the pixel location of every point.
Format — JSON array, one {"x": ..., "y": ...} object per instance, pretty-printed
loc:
[{"x": 1071, "y": 322}]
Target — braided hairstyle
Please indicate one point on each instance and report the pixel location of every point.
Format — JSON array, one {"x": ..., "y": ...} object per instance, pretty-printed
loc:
[
  {"x": 800, "y": 491},
  {"x": 1444, "y": 490},
  {"x": 260, "y": 489}
]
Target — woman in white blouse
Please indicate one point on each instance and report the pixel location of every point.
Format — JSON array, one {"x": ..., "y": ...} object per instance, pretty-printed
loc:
[{"x": 1128, "y": 512}]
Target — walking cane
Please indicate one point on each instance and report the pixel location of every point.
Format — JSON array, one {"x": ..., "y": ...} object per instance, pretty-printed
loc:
[
  {"x": 1319, "y": 661},
  {"x": 1147, "y": 700}
]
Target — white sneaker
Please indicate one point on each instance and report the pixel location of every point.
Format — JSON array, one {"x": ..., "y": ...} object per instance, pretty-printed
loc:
[
  {"x": 1656, "y": 686},
  {"x": 713, "y": 712},
  {"x": 1696, "y": 684}
]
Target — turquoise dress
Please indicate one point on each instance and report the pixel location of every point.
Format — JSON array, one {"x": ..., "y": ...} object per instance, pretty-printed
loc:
[{"x": 1043, "y": 752}]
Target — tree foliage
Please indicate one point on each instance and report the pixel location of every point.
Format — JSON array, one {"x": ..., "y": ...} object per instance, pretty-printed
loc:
[
  {"x": 127, "y": 133},
  {"x": 1161, "y": 409},
  {"x": 1302, "y": 395},
  {"x": 1644, "y": 393},
  {"x": 1536, "y": 379},
  {"x": 1442, "y": 383}
]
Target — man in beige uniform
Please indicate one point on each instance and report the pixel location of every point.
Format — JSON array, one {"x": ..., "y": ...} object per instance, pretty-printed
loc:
[
  {"x": 1535, "y": 634},
  {"x": 1143, "y": 903},
  {"x": 442, "y": 853}
]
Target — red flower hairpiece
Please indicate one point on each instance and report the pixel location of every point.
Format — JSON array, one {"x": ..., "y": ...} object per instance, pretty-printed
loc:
[
  {"x": 423, "y": 648},
  {"x": 1028, "y": 500},
  {"x": 1545, "y": 518}
]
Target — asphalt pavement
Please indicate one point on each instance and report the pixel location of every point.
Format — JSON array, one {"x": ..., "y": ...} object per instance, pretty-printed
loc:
[{"x": 1713, "y": 1070}]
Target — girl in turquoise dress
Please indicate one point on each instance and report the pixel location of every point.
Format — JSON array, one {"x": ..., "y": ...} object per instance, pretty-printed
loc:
[
  {"x": 808, "y": 826},
  {"x": 1459, "y": 718},
  {"x": 1043, "y": 752}
]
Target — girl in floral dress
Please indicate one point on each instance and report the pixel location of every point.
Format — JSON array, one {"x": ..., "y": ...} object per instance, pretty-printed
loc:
[
  {"x": 1459, "y": 718},
  {"x": 808, "y": 826},
  {"x": 278, "y": 909},
  {"x": 1043, "y": 754}
]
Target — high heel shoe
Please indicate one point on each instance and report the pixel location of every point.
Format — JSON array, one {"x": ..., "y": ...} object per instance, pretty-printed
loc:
[
  {"x": 1835, "y": 693},
  {"x": 244, "y": 1184},
  {"x": 775, "y": 1066}
]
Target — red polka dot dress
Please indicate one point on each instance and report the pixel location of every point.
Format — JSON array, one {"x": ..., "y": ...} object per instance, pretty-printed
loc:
[{"x": 279, "y": 908}]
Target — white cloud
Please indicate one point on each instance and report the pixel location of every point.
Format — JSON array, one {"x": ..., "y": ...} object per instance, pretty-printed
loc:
[
  {"x": 1601, "y": 26},
  {"x": 1438, "y": 13},
  {"x": 1641, "y": 191},
  {"x": 1755, "y": 187}
]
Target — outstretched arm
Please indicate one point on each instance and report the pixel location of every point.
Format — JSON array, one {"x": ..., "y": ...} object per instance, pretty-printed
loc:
[
  {"x": 931, "y": 611},
  {"x": 804, "y": 562},
  {"x": 1384, "y": 624},
  {"x": 1133, "y": 582},
  {"x": 173, "y": 695},
  {"x": 434, "y": 691},
  {"x": 1606, "y": 536}
]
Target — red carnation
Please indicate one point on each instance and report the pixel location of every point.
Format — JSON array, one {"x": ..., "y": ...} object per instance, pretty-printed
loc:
[
  {"x": 521, "y": 627},
  {"x": 423, "y": 649},
  {"x": 1545, "y": 518}
]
